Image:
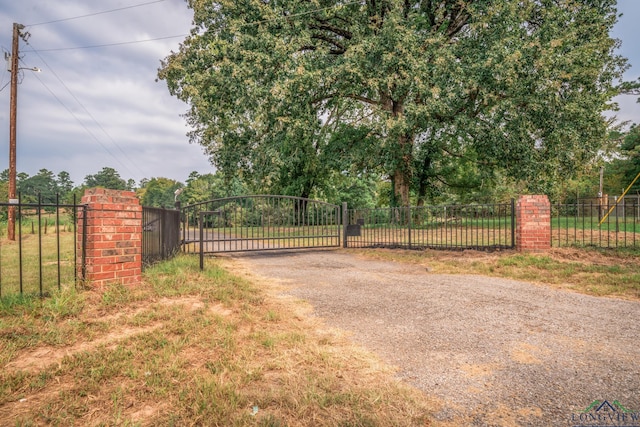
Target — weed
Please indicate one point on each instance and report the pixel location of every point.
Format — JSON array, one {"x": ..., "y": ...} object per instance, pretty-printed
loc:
[
  {"x": 62, "y": 304},
  {"x": 165, "y": 353},
  {"x": 116, "y": 295},
  {"x": 272, "y": 316},
  {"x": 270, "y": 421},
  {"x": 15, "y": 303}
]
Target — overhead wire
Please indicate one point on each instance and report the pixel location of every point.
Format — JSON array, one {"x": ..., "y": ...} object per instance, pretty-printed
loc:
[
  {"x": 76, "y": 98},
  {"x": 113, "y": 44},
  {"x": 127, "y": 43},
  {"x": 82, "y": 124},
  {"x": 87, "y": 111},
  {"x": 247, "y": 24},
  {"x": 96, "y": 13}
]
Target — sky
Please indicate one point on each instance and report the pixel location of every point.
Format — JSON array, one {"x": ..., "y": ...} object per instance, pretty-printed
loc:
[{"x": 93, "y": 107}]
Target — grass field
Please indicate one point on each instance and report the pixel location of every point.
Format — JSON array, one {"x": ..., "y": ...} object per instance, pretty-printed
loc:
[
  {"x": 457, "y": 232},
  {"x": 211, "y": 348},
  {"x": 36, "y": 259},
  {"x": 189, "y": 348},
  {"x": 628, "y": 224},
  {"x": 599, "y": 272}
]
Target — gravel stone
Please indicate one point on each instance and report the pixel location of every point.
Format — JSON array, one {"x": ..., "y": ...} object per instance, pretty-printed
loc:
[{"x": 490, "y": 352}]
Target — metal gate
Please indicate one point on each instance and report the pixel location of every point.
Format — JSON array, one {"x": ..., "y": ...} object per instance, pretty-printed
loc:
[
  {"x": 258, "y": 223},
  {"x": 160, "y": 234}
]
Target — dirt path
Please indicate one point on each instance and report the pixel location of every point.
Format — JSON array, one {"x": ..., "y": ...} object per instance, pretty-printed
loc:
[{"x": 490, "y": 351}]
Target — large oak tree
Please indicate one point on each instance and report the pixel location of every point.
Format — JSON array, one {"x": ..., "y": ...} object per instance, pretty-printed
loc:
[{"x": 289, "y": 91}]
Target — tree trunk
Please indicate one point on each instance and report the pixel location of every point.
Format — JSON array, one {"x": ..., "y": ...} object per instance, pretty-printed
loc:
[
  {"x": 403, "y": 167},
  {"x": 401, "y": 186},
  {"x": 423, "y": 180}
]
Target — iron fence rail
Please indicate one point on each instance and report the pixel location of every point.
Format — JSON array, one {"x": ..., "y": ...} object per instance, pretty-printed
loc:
[
  {"x": 481, "y": 226},
  {"x": 160, "y": 234},
  {"x": 46, "y": 253},
  {"x": 259, "y": 222},
  {"x": 579, "y": 224}
]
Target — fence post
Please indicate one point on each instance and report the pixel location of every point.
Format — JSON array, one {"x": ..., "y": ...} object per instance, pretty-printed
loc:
[
  {"x": 513, "y": 223},
  {"x": 39, "y": 216},
  {"x": 345, "y": 222},
  {"x": 83, "y": 240},
  {"x": 112, "y": 237},
  {"x": 409, "y": 224},
  {"x": 533, "y": 223},
  {"x": 201, "y": 234},
  {"x": 20, "y": 264}
]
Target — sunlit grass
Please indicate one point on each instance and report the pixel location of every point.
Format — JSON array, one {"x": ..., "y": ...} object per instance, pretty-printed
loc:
[
  {"x": 39, "y": 260},
  {"x": 589, "y": 271},
  {"x": 189, "y": 348}
]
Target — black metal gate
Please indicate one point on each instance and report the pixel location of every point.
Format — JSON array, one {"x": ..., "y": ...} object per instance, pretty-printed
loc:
[
  {"x": 258, "y": 223},
  {"x": 160, "y": 234}
]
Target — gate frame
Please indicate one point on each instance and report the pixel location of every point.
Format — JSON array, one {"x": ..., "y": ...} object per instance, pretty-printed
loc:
[
  {"x": 329, "y": 215},
  {"x": 516, "y": 238},
  {"x": 160, "y": 234}
]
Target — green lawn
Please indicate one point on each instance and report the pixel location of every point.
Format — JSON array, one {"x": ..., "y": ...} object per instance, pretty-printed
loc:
[{"x": 40, "y": 261}]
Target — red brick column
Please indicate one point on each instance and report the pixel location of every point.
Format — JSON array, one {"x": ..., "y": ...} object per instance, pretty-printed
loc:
[
  {"x": 113, "y": 252},
  {"x": 533, "y": 224}
]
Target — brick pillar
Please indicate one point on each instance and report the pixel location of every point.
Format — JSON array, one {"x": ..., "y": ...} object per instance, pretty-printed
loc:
[
  {"x": 533, "y": 224},
  {"x": 113, "y": 237}
]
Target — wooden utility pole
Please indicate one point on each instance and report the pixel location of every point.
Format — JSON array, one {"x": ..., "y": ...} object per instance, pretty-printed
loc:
[{"x": 11, "y": 220}]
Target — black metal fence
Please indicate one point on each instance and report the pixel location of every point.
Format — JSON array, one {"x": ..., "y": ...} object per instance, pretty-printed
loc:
[
  {"x": 160, "y": 234},
  {"x": 482, "y": 226},
  {"x": 260, "y": 222},
  {"x": 46, "y": 253},
  {"x": 597, "y": 224}
]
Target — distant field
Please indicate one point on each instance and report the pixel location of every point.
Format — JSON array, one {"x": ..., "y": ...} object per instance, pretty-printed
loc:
[{"x": 36, "y": 260}]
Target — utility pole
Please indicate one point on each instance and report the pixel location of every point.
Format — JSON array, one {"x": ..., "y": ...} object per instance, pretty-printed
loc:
[{"x": 11, "y": 220}]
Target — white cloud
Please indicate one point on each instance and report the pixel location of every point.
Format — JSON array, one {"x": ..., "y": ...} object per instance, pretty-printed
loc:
[
  {"x": 117, "y": 86},
  {"x": 139, "y": 129}
]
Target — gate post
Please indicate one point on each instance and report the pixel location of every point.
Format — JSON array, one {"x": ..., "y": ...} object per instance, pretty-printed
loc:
[
  {"x": 409, "y": 224},
  {"x": 112, "y": 237},
  {"x": 533, "y": 224},
  {"x": 345, "y": 222}
]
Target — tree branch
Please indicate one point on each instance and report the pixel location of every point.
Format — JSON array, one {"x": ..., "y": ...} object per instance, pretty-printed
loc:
[
  {"x": 324, "y": 25},
  {"x": 364, "y": 99},
  {"x": 339, "y": 48}
]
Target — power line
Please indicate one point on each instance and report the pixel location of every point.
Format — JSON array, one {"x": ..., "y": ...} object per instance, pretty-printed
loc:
[
  {"x": 87, "y": 111},
  {"x": 96, "y": 13},
  {"x": 247, "y": 24},
  {"x": 112, "y": 44},
  {"x": 82, "y": 124}
]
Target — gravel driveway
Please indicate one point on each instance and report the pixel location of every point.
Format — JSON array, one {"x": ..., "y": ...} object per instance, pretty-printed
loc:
[{"x": 489, "y": 351}]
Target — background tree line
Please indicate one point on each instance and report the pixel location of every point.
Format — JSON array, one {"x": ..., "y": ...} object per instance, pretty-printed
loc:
[
  {"x": 394, "y": 102},
  {"x": 620, "y": 159},
  {"x": 48, "y": 186}
]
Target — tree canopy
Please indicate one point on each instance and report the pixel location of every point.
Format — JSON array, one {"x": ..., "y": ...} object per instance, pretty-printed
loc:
[
  {"x": 44, "y": 185},
  {"x": 427, "y": 92},
  {"x": 158, "y": 192},
  {"x": 108, "y": 178},
  {"x": 626, "y": 166}
]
